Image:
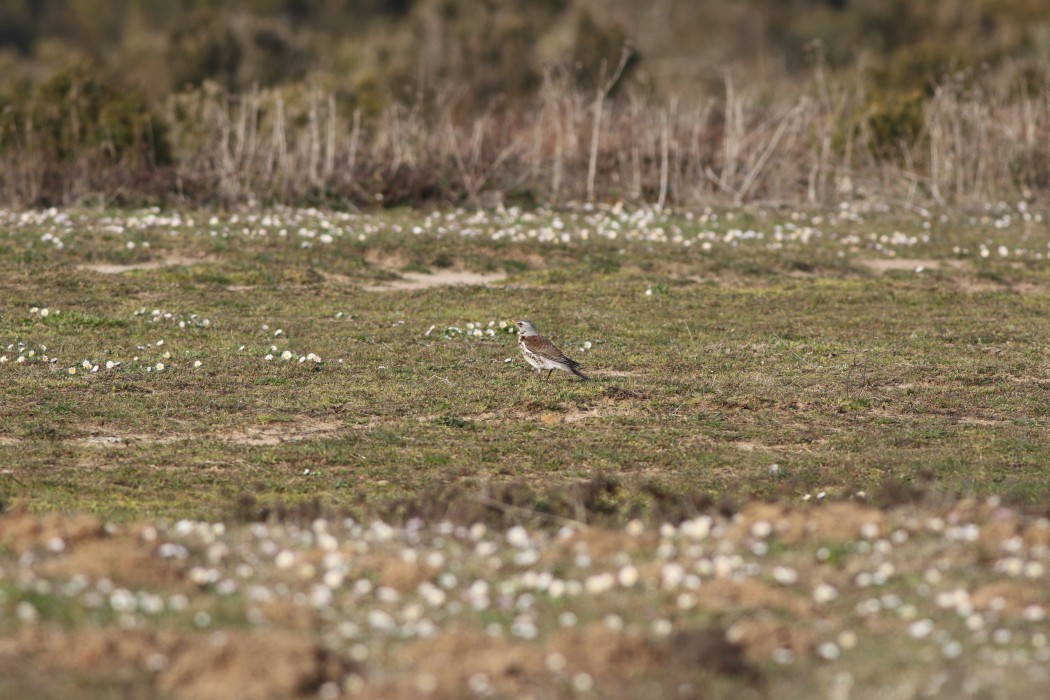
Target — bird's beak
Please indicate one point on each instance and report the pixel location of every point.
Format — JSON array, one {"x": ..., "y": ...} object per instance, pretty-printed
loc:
[{"x": 514, "y": 321}]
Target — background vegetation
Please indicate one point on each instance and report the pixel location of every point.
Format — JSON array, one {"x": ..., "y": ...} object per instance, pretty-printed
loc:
[{"x": 359, "y": 101}]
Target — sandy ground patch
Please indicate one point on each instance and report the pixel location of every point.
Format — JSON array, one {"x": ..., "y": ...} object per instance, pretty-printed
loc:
[
  {"x": 170, "y": 261},
  {"x": 883, "y": 265},
  {"x": 411, "y": 281},
  {"x": 296, "y": 430}
]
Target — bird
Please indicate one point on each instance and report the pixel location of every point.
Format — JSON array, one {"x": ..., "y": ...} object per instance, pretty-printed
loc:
[{"x": 542, "y": 353}]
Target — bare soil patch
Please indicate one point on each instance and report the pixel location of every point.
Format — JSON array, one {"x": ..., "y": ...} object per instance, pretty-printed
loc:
[
  {"x": 411, "y": 281},
  {"x": 276, "y": 433},
  {"x": 296, "y": 430},
  {"x": 883, "y": 265},
  {"x": 753, "y": 446},
  {"x": 170, "y": 261}
]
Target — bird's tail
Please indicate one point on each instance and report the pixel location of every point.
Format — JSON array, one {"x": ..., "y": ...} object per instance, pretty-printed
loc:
[{"x": 579, "y": 374}]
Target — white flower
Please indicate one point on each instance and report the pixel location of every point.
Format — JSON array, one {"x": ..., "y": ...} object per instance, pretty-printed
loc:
[
  {"x": 45, "y": 312},
  {"x": 110, "y": 364},
  {"x": 829, "y": 651},
  {"x": 198, "y": 363},
  {"x": 785, "y": 575},
  {"x": 920, "y": 629},
  {"x": 268, "y": 357},
  {"x": 518, "y": 536},
  {"x": 160, "y": 366},
  {"x": 824, "y": 593},
  {"x": 628, "y": 576},
  {"x": 286, "y": 355},
  {"x": 72, "y": 370},
  {"x": 582, "y": 682}
]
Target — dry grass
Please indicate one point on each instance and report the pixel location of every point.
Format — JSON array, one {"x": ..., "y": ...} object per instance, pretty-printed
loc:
[{"x": 824, "y": 142}]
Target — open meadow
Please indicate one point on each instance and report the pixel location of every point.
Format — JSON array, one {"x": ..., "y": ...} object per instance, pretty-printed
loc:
[{"x": 812, "y": 461}]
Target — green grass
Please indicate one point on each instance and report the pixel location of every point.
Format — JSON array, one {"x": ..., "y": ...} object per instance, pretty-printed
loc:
[{"x": 742, "y": 356}]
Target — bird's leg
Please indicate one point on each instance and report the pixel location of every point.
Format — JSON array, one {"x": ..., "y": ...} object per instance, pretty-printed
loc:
[{"x": 549, "y": 373}]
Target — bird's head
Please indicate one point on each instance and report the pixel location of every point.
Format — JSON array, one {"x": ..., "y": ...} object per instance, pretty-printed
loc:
[{"x": 526, "y": 327}]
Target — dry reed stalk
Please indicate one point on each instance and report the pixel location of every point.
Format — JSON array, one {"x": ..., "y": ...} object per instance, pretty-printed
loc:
[
  {"x": 665, "y": 148},
  {"x": 313, "y": 145},
  {"x": 787, "y": 122},
  {"x": 599, "y": 106},
  {"x": 331, "y": 122},
  {"x": 559, "y": 151},
  {"x": 355, "y": 139},
  {"x": 279, "y": 146}
]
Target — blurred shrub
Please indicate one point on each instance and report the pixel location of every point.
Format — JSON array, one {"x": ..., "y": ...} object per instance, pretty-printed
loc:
[
  {"x": 597, "y": 42},
  {"x": 894, "y": 121},
  {"x": 920, "y": 66},
  {"x": 77, "y": 112},
  {"x": 79, "y": 135},
  {"x": 235, "y": 51},
  {"x": 503, "y": 47}
]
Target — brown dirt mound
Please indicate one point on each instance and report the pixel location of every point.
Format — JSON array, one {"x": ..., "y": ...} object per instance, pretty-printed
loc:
[
  {"x": 264, "y": 665},
  {"x": 23, "y": 532},
  {"x": 80, "y": 544},
  {"x": 619, "y": 663},
  {"x": 832, "y": 522}
]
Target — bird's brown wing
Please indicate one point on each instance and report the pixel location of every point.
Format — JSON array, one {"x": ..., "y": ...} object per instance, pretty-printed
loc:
[{"x": 541, "y": 346}]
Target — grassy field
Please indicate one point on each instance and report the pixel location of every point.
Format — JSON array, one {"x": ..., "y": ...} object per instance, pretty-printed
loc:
[
  {"x": 298, "y": 366},
  {"x": 855, "y": 351}
]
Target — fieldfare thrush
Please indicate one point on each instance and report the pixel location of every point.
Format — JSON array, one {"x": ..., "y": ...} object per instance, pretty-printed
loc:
[{"x": 542, "y": 353}]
